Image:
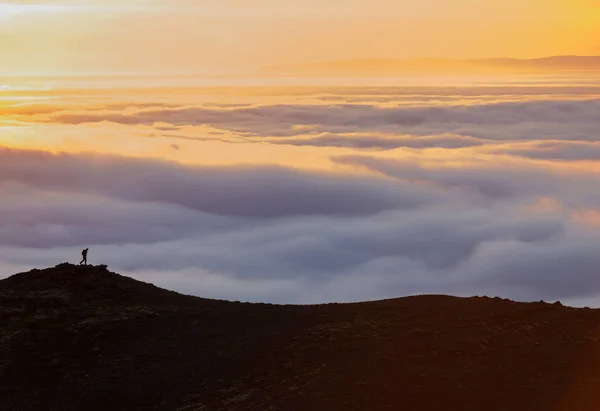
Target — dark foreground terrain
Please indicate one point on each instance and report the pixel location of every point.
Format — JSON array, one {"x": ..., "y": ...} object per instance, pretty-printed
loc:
[{"x": 82, "y": 338}]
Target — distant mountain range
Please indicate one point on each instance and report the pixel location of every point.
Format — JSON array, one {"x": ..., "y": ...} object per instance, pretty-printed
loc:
[{"x": 440, "y": 65}]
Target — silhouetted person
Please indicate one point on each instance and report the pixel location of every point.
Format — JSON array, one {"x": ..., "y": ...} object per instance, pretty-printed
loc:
[{"x": 84, "y": 254}]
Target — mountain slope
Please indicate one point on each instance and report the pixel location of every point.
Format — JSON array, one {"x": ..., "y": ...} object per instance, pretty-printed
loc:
[{"x": 83, "y": 338}]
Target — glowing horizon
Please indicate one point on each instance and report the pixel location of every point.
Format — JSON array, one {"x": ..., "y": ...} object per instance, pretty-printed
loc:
[{"x": 154, "y": 36}]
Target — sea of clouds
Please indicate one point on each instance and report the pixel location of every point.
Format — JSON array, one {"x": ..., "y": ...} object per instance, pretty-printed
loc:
[{"x": 464, "y": 191}]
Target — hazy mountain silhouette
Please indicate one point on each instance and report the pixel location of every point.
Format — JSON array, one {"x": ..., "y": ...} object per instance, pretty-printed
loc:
[
  {"x": 83, "y": 338},
  {"x": 439, "y": 65}
]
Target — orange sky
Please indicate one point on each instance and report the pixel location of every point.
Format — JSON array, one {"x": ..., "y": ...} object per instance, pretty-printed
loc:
[{"x": 154, "y": 36}]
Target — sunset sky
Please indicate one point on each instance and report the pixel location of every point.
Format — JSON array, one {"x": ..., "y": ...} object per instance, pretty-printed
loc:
[
  {"x": 295, "y": 188},
  {"x": 213, "y": 36}
]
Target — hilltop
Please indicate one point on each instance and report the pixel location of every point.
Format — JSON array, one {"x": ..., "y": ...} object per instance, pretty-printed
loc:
[{"x": 84, "y": 338}]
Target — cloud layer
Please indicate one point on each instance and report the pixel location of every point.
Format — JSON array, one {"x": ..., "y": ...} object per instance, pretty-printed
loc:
[
  {"x": 448, "y": 230},
  {"x": 529, "y": 119},
  {"x": 494, "y": 196}
]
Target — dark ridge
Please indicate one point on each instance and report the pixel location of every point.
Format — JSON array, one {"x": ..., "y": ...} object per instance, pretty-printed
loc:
[{"x": 83, "y": 338}]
